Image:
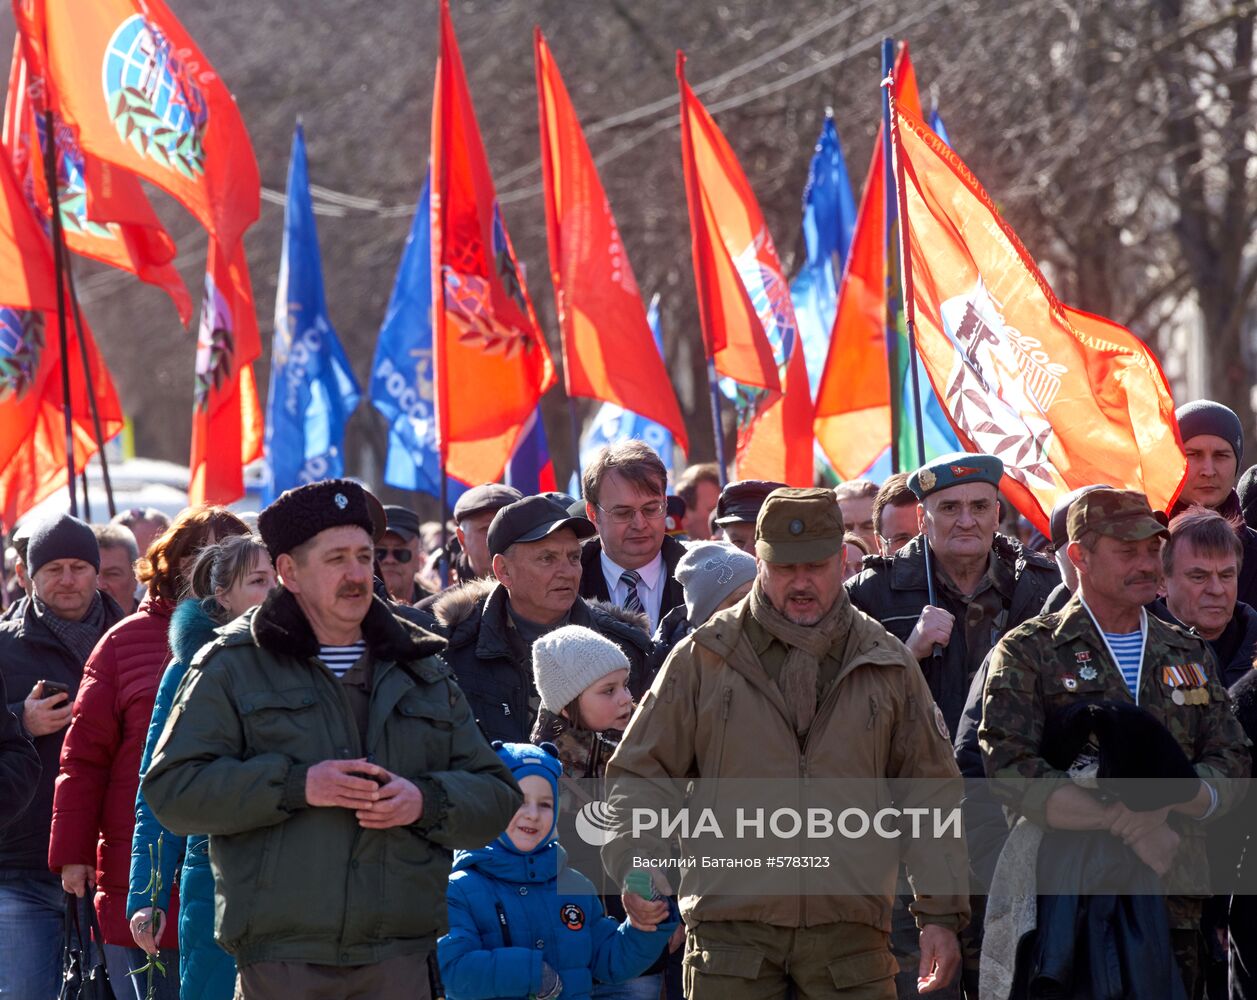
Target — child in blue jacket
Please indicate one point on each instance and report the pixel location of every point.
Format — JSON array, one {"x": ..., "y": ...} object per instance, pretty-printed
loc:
[{"x": 512, "y": 933}]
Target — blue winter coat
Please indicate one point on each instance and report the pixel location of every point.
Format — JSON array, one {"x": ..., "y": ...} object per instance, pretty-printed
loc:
[
  {"x": 481, "y": 961},
  {"x": 206, "y": 972}
]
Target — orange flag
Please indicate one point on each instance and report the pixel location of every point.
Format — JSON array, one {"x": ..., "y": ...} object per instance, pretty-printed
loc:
[
  {"x": 608, "y": 350},
  {"x": 853, "y": 414},
  {"x": 744, "y": 304},
  {"x": 140, "y": 94},
  {"x": 226, "y": 415},
  {"x": 141, "y": 246},
  {"x": 32, "y": 401},
  {"x": 1064, "y": 398},
  {"x": 491, "y": 361}
]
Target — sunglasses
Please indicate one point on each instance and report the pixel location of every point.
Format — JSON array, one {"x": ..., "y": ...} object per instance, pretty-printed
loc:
[{"x": 401, "y": 555}]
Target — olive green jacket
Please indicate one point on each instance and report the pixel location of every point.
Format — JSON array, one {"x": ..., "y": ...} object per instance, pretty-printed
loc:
[{"x": 295, "y": 883}]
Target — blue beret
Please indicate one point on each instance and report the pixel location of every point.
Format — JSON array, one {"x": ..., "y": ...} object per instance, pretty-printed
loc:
[{"x": 954, "y": 470}]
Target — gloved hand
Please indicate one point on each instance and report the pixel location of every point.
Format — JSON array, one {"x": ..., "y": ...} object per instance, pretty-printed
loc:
[{"x": 551, "y": 984}]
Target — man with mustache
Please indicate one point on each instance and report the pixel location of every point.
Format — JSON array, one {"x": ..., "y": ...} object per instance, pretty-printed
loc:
[
  {"x": 491, "y": 624},
  {"x": 322, "y": 744},
  {"x": 792, "y": 684},
  {"x": 1104, "y": 646}
]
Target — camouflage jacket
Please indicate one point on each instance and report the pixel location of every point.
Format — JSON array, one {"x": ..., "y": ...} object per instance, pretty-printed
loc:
[{"x": 1053, "y": 661}]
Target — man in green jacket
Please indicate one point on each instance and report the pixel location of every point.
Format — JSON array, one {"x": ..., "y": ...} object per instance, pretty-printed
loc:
[{"x": 334, "y": 763}]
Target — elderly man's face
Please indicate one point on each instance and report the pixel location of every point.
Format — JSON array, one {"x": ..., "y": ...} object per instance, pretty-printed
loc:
[
  {"x": 1123, "y": 573},
  {"x": 473, "y": 536},
  {"x": 804, "y": 592},
  {"x": 857, "y": 517},
  {"x": 541, "y": 577},
  {"x": 960, "y": 521},
  {"x": 117, "y": 575},
  {"x": 330, "y": 576},
  {"x": 740, "y": 535},
  {"x": 67, "y": 586},
  {"x": 399, "y": 559},
  {"x": 1201, "y": 588},
  {"x": 1211, "y": 470}
]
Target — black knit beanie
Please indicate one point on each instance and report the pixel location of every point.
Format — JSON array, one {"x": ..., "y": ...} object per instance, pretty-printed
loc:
[
  {"x": 61, "y": 537},
  {"x": 1204, "y": 416}
]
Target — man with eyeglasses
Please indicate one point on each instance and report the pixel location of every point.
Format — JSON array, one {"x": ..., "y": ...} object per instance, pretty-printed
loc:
[
  {"x": 397, "y": 552},
  {"x": 632, "y": 562}
]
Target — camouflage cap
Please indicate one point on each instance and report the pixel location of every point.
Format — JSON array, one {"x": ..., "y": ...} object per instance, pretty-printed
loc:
[
  {"x": 1123, "y": 514},
  {"x": 955, "y": 469},
  {"x": 798, "y": 526}
]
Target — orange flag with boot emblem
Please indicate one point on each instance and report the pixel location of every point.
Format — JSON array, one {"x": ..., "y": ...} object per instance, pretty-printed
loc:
[{"x": 1064, "y": 398}]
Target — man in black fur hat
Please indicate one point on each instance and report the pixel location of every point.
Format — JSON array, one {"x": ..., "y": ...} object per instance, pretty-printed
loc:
[{"x": 328, "y": 753}]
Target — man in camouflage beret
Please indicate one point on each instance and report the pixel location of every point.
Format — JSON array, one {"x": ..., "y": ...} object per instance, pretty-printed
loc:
[
  {"x": 798, "y": 667},
  {"x": 1103, "y": 646}
]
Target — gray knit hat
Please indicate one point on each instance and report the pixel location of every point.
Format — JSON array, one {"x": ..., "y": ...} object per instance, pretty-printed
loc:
[
  {"x": 1204, "y": 416},
  {"x": 709, "y": 572},
  {"x": 568, "y": 660}
]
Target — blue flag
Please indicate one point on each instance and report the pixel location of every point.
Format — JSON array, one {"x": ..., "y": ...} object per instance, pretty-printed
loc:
[
  {"x": 312, "y": 389},
  {"x": 401, "y": 373},
  {"x": 936, "y": 123},
  {"x": 612, "y": 424},
  {"x": 828, "y": 222}
]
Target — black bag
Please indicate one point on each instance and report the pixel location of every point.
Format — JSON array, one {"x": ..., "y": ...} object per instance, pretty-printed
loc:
[{"x": 81, "y": 978}]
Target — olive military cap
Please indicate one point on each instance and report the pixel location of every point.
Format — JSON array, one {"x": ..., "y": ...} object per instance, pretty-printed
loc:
[
  {"x": 1122, "y": 514},
  {"x": 799, "y": 526}
]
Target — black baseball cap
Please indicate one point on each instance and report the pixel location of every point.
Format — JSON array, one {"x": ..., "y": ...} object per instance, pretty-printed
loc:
[
  {"x": 490, "y": 496},
  {"x": 740, "y": 502},
  {"x": 530, "y": 520},
  {"x": 401, "y": 521}
]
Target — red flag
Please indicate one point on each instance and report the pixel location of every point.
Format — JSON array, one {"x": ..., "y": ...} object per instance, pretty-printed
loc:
[
  {"x": 744, "y": 304},
  {"x": 1062, "y": 397},
  {"x": 140, "y": 94},
  {"x": 32, "y": 403},
  {"x": 226, "y": 415},
  {"x": 141, "y": 246},
  {"x": 608, "y": 350},
  {"x": 853, "y": 413},
  {"x": 492, "y": 365}
]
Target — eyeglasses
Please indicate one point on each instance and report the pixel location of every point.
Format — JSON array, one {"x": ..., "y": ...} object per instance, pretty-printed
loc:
[
  {"x": 401, "y": 555},
  {"x": 652, "y": 511}
]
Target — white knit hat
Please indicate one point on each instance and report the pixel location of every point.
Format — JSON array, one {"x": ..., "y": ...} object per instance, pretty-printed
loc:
[
  {"x": 709, "y": 572},
  {"x": 568, "y": 660}
]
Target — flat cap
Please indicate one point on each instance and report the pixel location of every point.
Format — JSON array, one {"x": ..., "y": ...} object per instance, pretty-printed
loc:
[
  {"x": 955, "y": 469},
  {"x": 1059, "y": 520},
  {"x": 490, "y": 496},
  {"x": 799, "y": 526},
  {"x": 532, "y": 519},
  {"x": 1122, "y": 514},
  {"x": 740, "y": 502},
  {"x": 297, "y": 515},
  {"x": 401, "y": 521}
]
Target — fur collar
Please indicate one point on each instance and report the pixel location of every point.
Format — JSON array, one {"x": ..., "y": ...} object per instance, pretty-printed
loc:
[{"x": 280, "y": 627}]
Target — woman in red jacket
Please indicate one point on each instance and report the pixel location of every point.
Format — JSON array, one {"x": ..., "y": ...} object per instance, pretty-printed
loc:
[{"x": 93, "y": 808}]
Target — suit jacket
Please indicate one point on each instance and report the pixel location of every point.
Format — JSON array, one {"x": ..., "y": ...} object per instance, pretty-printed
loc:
[{"x": 593, "y": 584}]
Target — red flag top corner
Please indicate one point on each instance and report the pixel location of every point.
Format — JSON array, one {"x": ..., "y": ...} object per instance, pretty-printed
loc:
[
  {"x": 491, "y": 362},
  {"x": 1064, "y": 398},
  {"x": 608, "y": 350}
]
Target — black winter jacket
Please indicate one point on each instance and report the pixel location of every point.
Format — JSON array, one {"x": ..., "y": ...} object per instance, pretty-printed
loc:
[
  {"x": 29, "y": 652},
  {"x": 493, "y": 666},
  {"x": 893, "y": 591},
  {"x": 19, "y": 764}
]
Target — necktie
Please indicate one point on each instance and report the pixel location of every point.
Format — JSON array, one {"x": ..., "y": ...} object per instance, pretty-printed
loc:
[{"x": 632, "y": 601}]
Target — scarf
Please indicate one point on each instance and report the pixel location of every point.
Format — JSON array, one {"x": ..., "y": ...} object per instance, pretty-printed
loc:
[
  {"x": 806, "y": 645},
  {"x": 80, "y": 637}
]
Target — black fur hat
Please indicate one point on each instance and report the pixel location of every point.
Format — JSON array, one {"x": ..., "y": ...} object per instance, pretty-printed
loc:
[
  {"x": 297, "y": 515},
  {"x": 1140, "y": 762}
]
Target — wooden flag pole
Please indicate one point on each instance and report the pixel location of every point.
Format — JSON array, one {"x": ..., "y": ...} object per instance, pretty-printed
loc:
[
  {"x": 50, "y": 177},
  {"x": 897, "y": 461}
]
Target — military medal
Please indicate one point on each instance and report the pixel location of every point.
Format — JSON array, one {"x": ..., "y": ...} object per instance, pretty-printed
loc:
[
  {"x": 1178, "y": 697},
  {"x": 1087, "y": 673},
  {"x": 1070, "y": 682}
]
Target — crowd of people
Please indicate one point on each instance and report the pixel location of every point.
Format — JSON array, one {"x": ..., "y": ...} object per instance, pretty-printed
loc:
[{"x": 322, "y": 752}]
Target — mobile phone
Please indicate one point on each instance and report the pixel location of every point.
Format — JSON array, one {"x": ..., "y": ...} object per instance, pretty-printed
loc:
[{"x": 54, "y": 688}]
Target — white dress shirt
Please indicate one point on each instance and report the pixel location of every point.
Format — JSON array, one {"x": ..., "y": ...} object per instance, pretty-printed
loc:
[{"x": 649, "y": 591}]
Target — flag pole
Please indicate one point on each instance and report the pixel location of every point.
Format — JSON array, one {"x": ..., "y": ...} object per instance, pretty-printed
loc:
[
  {"x": 445, "y": 532},
  {"x": 50, "y": 177},
  {"x": 897, "y": 461},
  {"x": 717, "y": 421},
  {"x": 97, "y": 428},
  {"x": 910, "y": 311}
]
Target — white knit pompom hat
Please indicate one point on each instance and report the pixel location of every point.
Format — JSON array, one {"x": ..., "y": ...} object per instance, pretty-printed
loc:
[{"x": 568, "y": 660}]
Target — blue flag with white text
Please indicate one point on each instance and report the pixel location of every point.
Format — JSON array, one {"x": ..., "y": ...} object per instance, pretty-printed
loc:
[{"x": 312, "y": 389}]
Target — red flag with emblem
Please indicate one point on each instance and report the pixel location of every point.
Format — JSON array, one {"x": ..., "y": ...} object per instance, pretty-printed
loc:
[
  {"x": 608, "y": 350},
  {"x": 139, "y": 94},
  {"x": 1064, "y": 398},
  {"x": 32, "y": 402},
  {"x": 142, "y": 246},
  {"x": 853, "y": 412},
  {"x": 491, "y": 361},
  {"x": 226, "y": 414},
  {"x": 744, "y": 304}
]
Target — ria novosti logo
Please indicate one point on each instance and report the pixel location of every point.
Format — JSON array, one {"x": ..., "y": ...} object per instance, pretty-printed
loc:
[{"x": 594, "y": 824}]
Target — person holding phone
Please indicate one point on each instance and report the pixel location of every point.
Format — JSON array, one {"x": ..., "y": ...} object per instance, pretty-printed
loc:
[{"x": 42, "y": 653}]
